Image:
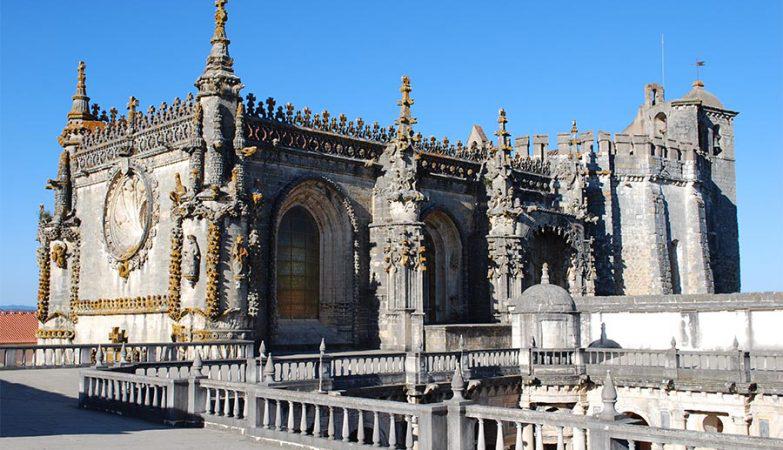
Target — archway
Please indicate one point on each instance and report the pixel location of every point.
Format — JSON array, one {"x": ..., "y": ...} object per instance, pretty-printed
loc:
[
  {"x": 443, "y": 299},
  {"x": 641, "y": 421},
  {"x": 313, "y": 250},
  {"x": 549, "y": 247}
]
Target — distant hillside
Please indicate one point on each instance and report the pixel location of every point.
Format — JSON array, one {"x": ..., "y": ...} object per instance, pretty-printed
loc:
[{"x": 17, "y": 308}]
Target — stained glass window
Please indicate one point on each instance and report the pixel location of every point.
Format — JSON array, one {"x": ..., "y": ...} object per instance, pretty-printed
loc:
[{"x": 298, "y": 271}]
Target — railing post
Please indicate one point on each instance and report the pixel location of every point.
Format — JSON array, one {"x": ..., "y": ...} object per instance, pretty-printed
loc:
[
  {"x": 196, "y": 395},
  {"x": 459, "y": 427},
  {"x": 745, "y": 356},
  {"x": 526, "y": 361},
  {"x": 579, "y": 361}
]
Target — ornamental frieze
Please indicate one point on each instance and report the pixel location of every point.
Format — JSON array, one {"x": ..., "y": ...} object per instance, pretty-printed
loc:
[{"x": 149, "y": 304}]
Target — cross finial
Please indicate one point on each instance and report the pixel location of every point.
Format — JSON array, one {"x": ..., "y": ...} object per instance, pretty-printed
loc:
[
  {"x": 81, "y": 85},
  {"x": 504, "y": 143},
  {"x": 221, "y": 17},
  {"x": 80, "y": 108},
  {"x": 133, "y": 103},
  {"x": 405, "y": 121}
]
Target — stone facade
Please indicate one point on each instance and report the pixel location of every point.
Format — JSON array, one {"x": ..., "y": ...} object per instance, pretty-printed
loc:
[{"x": 169, "y": 223}]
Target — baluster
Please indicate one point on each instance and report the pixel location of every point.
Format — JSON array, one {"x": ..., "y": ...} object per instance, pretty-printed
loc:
[
  {"x": 409, "y": 433},
  {"x": 227, "y": 404},
  {"x": 346, "y": 429},
  {"x": 244, "y": 406},
  {"x": 317, "y": 421},
  {"x": 265, "y": 422},
  {"x": 499, "y": 437},
  {"x": 360, "y": 428},
  {"x": 480, "y": 444},
  {"x": 208, "y": 404},
  {"x": 278, "y": 416},
  {"x": 539, "y": 437},
  {"x": 519, "y": 443},
  {"x": 376, "y": 433},
  {"x": 330, "y": 426},
  {"x": 236, "y": 404},
  {"x": 147, "y": 399},
  {"x": 218, "y": 403},
  {"x": 392, "y": 432},
  {"x": 560, "y": 444},
  {"x": 303, "y": 419},
  {"x": 631, "y": 444},
  {"x": 155, "y": 398},
  {"x": 291, "y": 414}
]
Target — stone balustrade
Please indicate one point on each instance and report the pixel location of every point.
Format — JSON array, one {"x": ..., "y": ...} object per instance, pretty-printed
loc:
[
  {"x": 318, "y": 419},
  {"x": 83, "y": 355},
  {"x": 135, "y": 395},
  {"x": 329, "y": 420},
  {"x": 524, "y": 429}
]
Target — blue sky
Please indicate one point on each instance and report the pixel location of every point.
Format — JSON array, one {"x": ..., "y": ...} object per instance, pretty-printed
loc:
[{"x": 545, "y": 62}]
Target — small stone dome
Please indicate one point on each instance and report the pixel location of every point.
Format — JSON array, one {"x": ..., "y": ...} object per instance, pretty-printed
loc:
[
  {"x": 544, "y": 297},
  {"x": 706, "y": 97},
  {"x": 604, "y": 342}
]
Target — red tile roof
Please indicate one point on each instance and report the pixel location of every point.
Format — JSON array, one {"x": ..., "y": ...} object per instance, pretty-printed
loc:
[{"x": 18, "y": 327}]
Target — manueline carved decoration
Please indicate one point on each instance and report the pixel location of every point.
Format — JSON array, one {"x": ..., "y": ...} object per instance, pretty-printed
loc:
[
  {"x": 404, "y": 249},
  {"x": 175, "y": 275},
  {"x": 55, "y": 333},
  {"x": 59, "y": 255},
  {"x": 129, "y": 215},
  {"x": 213, "y": 276},
  {"x": 43, "y": 280},
  {"x": 178, "y": 194},
  {"x": 239, "y": 256},
  {"x": 124, "y": 305},
  {"x": 164, "y": 127},
  {"x": 191, "y": 260},
  {"x": 75, "y": 274}
]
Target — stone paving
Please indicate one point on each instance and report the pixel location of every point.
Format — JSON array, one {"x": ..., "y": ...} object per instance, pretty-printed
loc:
[{"x": 38, "y": 410}]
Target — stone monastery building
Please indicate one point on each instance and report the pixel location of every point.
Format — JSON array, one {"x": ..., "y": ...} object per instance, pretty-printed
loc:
[{"x": 222, "y": 215}]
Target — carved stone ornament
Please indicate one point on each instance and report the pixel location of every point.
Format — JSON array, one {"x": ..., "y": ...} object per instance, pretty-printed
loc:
[
  {"x": 191, "y": 259},
  {"x": 59, "y": 255},
  {"x": 129, "y": 215}
]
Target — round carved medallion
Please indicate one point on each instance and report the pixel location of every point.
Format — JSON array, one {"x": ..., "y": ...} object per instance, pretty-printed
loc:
[{"x": 128, "y": 216}]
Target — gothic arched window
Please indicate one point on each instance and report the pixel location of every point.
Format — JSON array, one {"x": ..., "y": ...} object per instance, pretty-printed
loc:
[{"x": 298, "y": 268}]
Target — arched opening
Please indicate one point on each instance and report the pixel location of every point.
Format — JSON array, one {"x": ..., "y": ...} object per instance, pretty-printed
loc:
[
  {"x": 443, "y": 299},
  {"x": 637, "y": 420},
  {"x": 660, "y": 125},
  {"x": 313, "y": 271},
  {"x": 549, "y": 247},
  {"x": 298, "y": 265}
]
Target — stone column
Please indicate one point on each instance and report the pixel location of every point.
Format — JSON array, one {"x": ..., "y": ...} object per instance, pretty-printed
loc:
[{"x": 578, "y": 439}]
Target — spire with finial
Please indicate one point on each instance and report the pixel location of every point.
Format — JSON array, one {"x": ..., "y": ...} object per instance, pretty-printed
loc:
[
  {"x": 545, "y": 273},
  {"x": 504, "y": 139},
  {"x": 80, "y": 108},
  {"x": 457, "y": 383},
  {"x": 218, "y": 76},
  {"x": 609, "y": 398},
  {"x": 406, "y": 120}
]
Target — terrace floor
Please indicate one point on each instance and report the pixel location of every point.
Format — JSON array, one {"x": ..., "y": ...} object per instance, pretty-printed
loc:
[{"x": 38, "y": 410}]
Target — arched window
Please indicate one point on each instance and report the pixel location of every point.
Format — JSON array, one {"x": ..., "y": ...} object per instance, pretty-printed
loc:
[
  {"x": 660, "y": 125},
  {"x": 298, "y": 271}
]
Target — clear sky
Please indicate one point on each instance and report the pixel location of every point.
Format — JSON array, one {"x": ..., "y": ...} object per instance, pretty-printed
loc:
[{"x": 545, "y": 62}]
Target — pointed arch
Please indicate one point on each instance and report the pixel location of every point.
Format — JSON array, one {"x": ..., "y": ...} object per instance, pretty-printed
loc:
[
  {"x": 444, "y": 299},
  {"x": 334, "y": 317}
]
